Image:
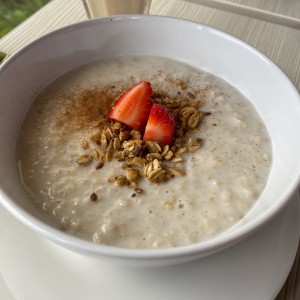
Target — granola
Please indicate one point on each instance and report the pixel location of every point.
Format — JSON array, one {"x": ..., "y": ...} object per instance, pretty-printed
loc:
[{"x": 147, "y": 159}]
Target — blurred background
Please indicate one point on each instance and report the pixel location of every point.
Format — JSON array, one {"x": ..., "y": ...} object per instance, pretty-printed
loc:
[{"x": 13, "y": 12}]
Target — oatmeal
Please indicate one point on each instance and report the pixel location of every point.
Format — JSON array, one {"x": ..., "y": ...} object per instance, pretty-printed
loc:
[{"x": 98, "y": 179}]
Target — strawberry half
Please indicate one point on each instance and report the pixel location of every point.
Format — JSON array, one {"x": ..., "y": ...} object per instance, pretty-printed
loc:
[
  {"x": 160, "y": 126},
  {"x": 133, "y": 106}
]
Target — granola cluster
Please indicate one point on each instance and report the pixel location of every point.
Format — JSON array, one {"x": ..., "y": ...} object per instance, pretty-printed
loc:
[{"x": 145, "y": 159}]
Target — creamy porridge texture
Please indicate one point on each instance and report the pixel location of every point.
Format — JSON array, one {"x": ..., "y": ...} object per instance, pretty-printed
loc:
[{"x": 222, "y": 179}]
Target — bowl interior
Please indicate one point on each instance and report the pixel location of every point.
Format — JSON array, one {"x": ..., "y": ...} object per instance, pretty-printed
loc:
[{"x": 28, "y": 72}]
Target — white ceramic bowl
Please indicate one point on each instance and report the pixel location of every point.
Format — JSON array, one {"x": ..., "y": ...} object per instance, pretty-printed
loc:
[{"x": 30, "y": 70}]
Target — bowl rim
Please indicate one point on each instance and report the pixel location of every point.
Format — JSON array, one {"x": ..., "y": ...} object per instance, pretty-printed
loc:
[{"x": 206, "y": 247}]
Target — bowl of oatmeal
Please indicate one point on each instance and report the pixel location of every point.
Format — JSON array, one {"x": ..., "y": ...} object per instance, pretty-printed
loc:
[{"x": 146, "y": 149}]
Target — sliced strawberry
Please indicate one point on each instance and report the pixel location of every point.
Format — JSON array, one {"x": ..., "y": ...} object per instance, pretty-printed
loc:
[
  {"x": 160, "y": 126},
  {"x": 133, "y": 106}
]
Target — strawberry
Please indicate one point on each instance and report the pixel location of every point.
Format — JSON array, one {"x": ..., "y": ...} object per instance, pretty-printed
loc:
[
  {"x": 133, "y": 106},
  {"x": 160, "y": 126}
]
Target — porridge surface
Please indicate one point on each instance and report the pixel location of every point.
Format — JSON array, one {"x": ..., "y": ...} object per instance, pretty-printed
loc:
[{"x": 223, "y": 178}]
